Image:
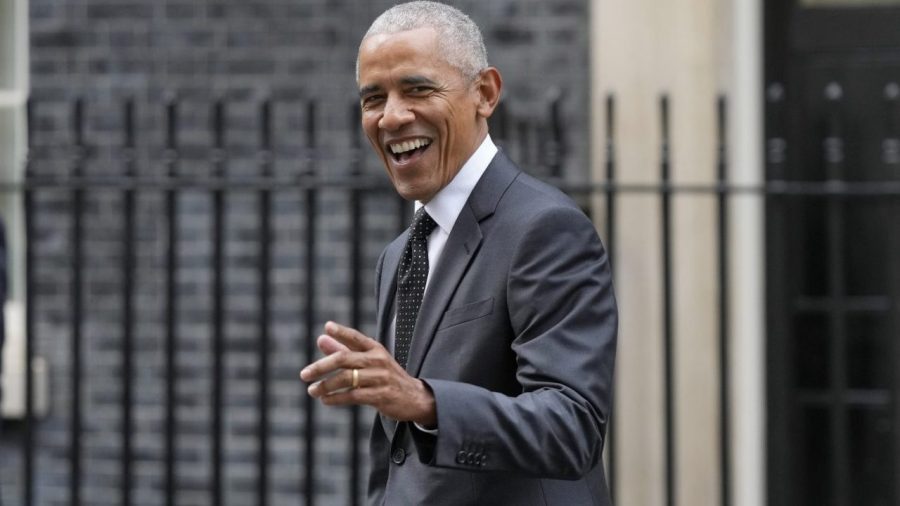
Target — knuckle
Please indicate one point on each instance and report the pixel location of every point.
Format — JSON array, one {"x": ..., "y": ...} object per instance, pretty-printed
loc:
[{"x": 380, "y": 375}]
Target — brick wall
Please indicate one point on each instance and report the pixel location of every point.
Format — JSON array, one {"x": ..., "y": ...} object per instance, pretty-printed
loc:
[{"x": 106, "y": 50}]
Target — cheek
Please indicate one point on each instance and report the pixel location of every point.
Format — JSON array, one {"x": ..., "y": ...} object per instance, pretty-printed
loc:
[
  {"x": 447, "y": 149},
  {"x": 370, "y": 129},
  {"x": 369, "y": 126}
]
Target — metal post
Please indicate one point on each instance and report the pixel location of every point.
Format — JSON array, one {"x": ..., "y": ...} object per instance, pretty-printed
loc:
[
  {"x": 356, "y": 240},
  {"x": 833, "y": 154},
  {"x": 218, "y": 296},
  {"x": 263, "y": 272},
  {"x": 127, "y": 306},
  {"x": 502, "y": 124},
  {"x": 610, "y": 245},
  {"x": 779, "y": 459},
  {"x": 891, "y": 158},
  {"x": 30, "y": 337},
  {"x": 668, "y": 345},
  {"x": 310, "y": 311},
  {"x": 171, "y": 301},
  {"x": 724, "y": 370},
  {"x": 556, "y": 148},
  {"x": 75, "y": 413}
]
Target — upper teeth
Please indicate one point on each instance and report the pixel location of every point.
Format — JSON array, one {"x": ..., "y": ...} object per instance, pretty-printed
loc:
[{"x": 403, "y": 147}]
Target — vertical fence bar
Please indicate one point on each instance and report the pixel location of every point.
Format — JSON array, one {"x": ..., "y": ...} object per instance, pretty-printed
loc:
[
  {"x": 833, "y": 155},
  {"x": 892, "y": 123},
  {"x": 669, "y": 376},
  {"x": 218, "y": 295},
  {"x": 779, "y": 460},
  {"x": 724, "y": 370},
  {"x": 263, "y": 272},
  {"x": 610, "y": 251},
  {"x": 77, "y": 265},
  {"x": 891, "y": 160},
  {"x": 30, "y": 337},
  {"x": 556, "y": 149},
  {"x": 310, "y": 311},
  {"x": 890, "y": 145},
  {"x": 522, "y": 145},
  {"x": 128, "y": 253},
  {"x": 404, "y": 214},
  {"x": 502, "y": 124},
  {"x": 355, "y": 290},
  {"x": 171, "y": 302}
]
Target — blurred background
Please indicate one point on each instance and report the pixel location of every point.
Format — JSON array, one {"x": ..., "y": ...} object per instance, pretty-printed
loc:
[{"x": 187, "y": 198}]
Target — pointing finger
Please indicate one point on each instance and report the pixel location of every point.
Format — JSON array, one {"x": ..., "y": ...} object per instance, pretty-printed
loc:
[
  {"x": 350, "y": 337},
  {"x": 339, "y": 360},
  {"x": 329, "y": 345}
]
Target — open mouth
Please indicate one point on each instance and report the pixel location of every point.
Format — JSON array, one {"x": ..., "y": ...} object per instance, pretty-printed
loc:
[{"x": 405, "y": 151}]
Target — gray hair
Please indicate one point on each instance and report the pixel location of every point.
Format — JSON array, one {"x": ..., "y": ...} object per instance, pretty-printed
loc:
[{"x": 460, "y": 39}]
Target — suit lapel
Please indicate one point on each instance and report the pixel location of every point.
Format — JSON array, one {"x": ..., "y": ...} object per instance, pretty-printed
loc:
[
  {"x": 388, "y": 288},
  {"x": 461, "y": 246}
]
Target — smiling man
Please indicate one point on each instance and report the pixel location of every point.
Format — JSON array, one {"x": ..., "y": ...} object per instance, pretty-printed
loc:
[{"x": 492, "y": 365}]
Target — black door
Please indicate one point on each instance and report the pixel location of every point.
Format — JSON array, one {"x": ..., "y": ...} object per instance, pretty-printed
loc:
[{"x": 833, "y": 255}]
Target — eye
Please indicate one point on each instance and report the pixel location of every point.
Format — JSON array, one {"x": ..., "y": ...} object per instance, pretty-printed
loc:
[
  {"x": 420, "y": 90},
  {"x": 370, "y": 101}
]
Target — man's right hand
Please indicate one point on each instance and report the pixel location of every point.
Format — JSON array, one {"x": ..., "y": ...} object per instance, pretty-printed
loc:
[{"x": 381, "y": 382}]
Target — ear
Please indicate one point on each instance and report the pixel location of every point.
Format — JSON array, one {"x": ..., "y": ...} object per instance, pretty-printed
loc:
[{"x": 490, "y": 85}]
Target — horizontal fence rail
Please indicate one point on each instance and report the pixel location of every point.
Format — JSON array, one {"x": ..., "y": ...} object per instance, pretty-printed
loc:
[{"x": 172, "y": 178}]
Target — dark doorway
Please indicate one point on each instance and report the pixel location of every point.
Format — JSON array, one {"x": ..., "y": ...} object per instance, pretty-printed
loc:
[{"x": 833, "y": 275}]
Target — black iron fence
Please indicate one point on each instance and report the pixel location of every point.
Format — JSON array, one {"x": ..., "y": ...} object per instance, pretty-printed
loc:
[
  {"x": 369, "y": 213},
  {"x": 176, "y": 175}
]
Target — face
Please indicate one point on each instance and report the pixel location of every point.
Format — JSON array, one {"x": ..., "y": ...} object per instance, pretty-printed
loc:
[{"x": 422, "y": 116}]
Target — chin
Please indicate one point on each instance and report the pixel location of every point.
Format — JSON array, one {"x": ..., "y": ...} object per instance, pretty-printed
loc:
[
  {"x": 407, "y": 193},
  {"x": 410, "y": 191}
]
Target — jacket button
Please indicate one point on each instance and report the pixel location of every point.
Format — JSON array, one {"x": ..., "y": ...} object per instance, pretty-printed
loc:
[
  {"x": 461, "y": 457},
  {"x": 470, "y": 458},
  {"x": 398, "y": 456}
]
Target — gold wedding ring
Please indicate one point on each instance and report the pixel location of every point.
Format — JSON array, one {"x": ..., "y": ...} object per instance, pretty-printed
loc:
[{"x": 355, "y": 384}]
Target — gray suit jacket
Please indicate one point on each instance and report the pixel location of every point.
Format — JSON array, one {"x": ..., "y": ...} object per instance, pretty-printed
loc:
[{"x": 516, "y": 337}]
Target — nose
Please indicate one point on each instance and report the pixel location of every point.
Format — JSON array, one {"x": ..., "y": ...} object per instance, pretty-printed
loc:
[{"x": 396, "y": 114}]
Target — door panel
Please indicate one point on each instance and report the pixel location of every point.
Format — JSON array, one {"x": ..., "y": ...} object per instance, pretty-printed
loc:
[{"x": 833, "y": 275}]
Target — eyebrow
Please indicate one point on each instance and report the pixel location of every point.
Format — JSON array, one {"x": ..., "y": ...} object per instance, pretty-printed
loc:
[
  {"x": 365, "y": 90},
  {"x": 406, "y": 81},
  {"x": 414, "y": 80}
]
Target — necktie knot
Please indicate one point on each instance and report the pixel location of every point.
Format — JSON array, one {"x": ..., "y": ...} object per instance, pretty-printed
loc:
[{"x": 423, "y": 224}]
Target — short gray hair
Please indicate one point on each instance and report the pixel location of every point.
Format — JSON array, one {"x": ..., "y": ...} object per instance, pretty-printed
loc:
[{"x": 459, "y": 37}]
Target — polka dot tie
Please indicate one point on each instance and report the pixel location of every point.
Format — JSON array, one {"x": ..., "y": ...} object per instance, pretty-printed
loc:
[{"x": 411, "y": 277}]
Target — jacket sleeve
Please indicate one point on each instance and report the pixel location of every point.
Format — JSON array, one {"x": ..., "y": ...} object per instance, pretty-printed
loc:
[{"x": 564, "y": 320}]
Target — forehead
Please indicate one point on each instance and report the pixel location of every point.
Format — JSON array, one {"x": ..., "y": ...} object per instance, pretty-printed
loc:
[{"x": 412, "y": 51}]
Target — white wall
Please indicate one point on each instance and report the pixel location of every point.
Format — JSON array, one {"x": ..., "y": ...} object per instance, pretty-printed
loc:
[
  {"x": 692, "y": 50},
  {"x": 14, "y": 86}
]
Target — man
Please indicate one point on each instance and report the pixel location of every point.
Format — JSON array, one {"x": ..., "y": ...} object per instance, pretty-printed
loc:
[{"x": 492, "y": 365}]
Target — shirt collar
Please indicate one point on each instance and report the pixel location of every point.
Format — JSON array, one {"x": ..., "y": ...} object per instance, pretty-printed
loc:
[{"x": 446, "y": 205}]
